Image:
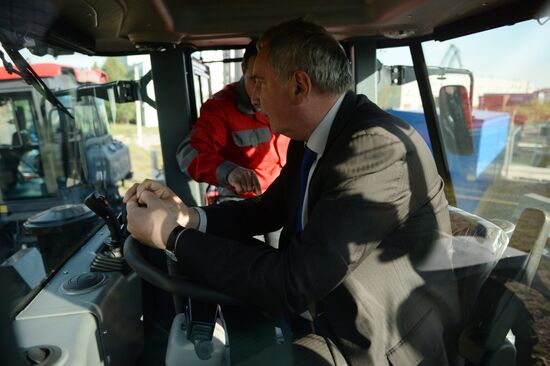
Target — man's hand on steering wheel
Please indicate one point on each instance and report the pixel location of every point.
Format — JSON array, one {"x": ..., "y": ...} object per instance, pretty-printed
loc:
[
  {"x": 153, "y": 211},
  {"x": 184, "y": 216},
  {"x": 151, "y": 220}
]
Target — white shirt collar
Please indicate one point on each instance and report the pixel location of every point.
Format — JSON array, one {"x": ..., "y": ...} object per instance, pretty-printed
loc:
[{"x": 318, "y": 139}]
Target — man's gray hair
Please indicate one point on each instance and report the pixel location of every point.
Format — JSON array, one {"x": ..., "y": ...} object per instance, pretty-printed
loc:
[{"x": 301, "y": 45}]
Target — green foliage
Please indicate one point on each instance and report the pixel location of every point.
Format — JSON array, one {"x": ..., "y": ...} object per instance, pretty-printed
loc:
[{"x": 115, "y": 70}]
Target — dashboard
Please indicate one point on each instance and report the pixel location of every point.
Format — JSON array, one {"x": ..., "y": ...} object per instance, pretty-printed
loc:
[{"x": 82, "y": 317}]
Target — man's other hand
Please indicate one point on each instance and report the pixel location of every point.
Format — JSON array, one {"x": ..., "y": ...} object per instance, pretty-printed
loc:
[
  {"x": 152, "y": 222},
  {"x": 244, "y": 180}
]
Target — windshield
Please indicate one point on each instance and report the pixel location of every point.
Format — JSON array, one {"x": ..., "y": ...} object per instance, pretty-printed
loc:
[
  {"x": 51, "y": 161},
  {"x": 31, "y": 141}
]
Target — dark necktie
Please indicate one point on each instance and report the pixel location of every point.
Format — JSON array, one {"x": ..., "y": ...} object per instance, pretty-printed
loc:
[{"x": 307, "y": 161}]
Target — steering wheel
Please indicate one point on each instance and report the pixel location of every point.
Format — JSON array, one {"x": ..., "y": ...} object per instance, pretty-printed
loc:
[{"x": 176, "y": 285}]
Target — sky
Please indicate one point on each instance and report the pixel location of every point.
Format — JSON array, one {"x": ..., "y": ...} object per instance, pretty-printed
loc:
[{"x": 518, "y": 52}]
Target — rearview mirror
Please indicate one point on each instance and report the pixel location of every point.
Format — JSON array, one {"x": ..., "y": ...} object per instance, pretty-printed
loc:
[{"x": 455, "y": 119}]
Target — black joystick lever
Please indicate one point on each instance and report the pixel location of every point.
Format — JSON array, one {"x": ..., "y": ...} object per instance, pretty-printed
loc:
[{"x": 100, "y": 206}]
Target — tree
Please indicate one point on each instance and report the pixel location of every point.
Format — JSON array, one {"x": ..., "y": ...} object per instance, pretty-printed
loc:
[{"x": 116, "y": 70}]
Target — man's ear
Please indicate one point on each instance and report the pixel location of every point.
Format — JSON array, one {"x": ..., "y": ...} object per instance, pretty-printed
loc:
[{"x": 302, "y": 85}]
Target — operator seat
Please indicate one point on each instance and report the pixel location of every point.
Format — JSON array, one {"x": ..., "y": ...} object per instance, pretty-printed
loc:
[
  {"x": 22, "y": 136},
  {"x": 11, "y": 156},
  {"x": 9, "y": 163}
]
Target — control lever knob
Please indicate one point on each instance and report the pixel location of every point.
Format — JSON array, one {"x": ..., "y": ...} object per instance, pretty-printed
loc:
[{"x": 100, "y": 206}]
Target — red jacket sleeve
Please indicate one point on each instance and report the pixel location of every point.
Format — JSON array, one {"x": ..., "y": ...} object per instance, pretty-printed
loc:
[{"x": 198, "y": 155}]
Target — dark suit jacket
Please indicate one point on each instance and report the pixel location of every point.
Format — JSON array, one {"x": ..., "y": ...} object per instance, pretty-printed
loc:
[{"x": 376, "y": 210}]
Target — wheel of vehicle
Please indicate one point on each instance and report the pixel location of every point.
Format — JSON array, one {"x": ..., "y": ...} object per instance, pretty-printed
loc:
[
  {"x": 181, "y": 286},
  {"x": 520, "y": 322},
  {"x": 526, "y": 338}
]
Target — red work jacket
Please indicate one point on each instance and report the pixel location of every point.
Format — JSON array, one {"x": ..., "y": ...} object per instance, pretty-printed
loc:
[{"x": 230, "y": 133}]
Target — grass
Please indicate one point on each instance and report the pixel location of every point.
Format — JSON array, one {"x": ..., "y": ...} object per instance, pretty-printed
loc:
[{"x": 140, "y": 155}]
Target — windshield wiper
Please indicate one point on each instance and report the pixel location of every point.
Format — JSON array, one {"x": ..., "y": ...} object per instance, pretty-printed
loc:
[{"x": 29, "y": 75}]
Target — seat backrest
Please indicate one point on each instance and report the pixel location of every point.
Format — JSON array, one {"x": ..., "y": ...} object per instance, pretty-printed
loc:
[{"x": 9, "y": 164}]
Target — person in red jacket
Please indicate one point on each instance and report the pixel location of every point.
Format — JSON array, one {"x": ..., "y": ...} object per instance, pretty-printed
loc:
[{"x": 231, "y": 145}]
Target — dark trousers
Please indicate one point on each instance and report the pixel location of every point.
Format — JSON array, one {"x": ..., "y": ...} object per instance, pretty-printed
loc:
[
  {"x": 253, "y": 341},
  {"x": 256, "y": 338}
]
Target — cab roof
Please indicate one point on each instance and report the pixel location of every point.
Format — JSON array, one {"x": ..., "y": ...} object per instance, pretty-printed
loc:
[{"x": 111, "y": 27}]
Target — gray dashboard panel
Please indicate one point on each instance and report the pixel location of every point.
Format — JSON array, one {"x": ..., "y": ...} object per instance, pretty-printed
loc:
[
  {"x": 99, "y": 327},
  {"x": 75, "y": 334}
]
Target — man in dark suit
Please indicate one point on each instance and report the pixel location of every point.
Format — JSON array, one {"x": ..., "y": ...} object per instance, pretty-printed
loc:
[{"x": 361, "y": 206}]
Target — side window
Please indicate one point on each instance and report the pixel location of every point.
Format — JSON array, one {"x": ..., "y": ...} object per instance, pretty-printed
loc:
[
  {"x": 218, "y": 69},
  {"x": 84, "y": 117},
  {"x": 102, "y": 117},
  {"x": 198, "y": 96},
  {"x": 499, "y": 157},
  {"x": 206, "y": 88},
  {"x": 397, "y": 88},
  {"x": 201, "y": 78},
  {"x": 135, "y": 124},
  {"x": 27, "y": 112},
  {"x": 496, "y": 137}
]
